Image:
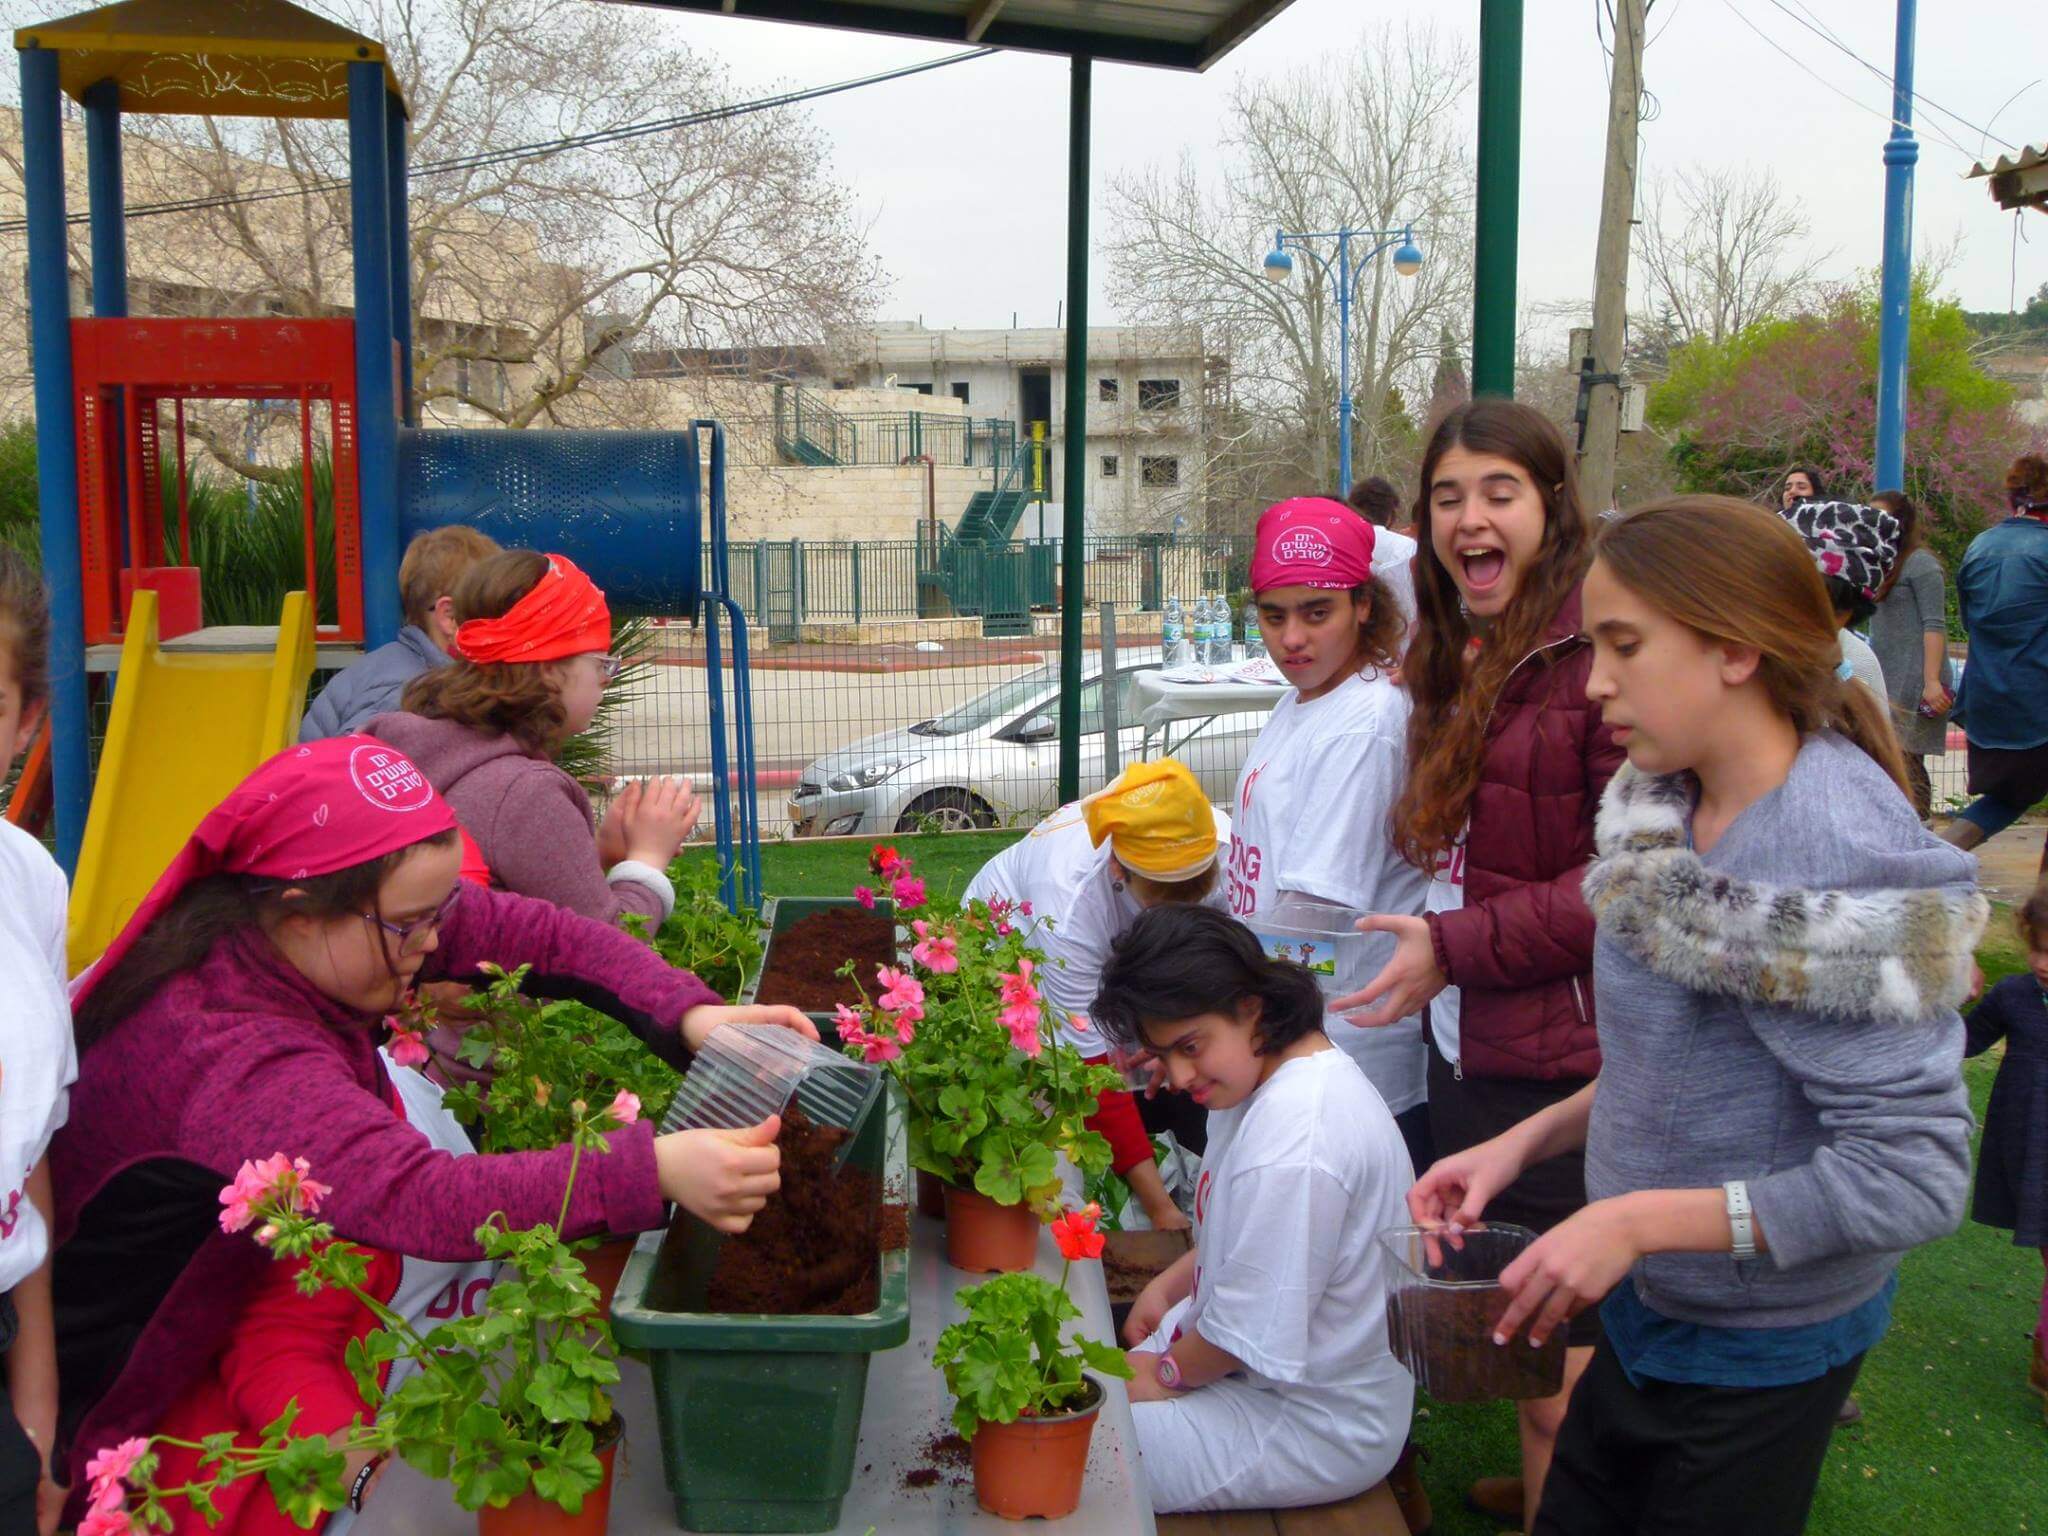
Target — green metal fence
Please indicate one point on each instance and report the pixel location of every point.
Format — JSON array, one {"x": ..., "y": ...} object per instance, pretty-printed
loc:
[
  {"x": 786, "y": 583},
  {"x": 808, "y": 431}
]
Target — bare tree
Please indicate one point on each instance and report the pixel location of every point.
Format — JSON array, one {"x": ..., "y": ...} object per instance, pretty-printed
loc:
[
  {"x": 1718, "y": 250},
  {"x": 531, "y": 269},
  {"x": 1371, "y": 140}
]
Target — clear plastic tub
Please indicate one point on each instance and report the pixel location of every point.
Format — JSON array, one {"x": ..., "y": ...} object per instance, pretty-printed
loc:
[
  {"x": 1443, "y": 1300},
  {"x": 747, "y": 1072},
  {"x": 1324, "y": 937}
]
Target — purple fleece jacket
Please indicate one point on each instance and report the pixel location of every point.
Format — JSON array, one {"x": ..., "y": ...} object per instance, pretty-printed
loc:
[
  {"x": 241, "y": 1057},
  {"x": 532, "y": 821}
]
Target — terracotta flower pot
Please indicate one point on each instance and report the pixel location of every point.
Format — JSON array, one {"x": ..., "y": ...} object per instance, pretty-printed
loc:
[
  {"x": 602, "y": 1267},
  {"x": 984, "y": 1238},
  {"x": 931, "y": 1195},
  {"x": 532, "y": 1515},
  {"x": 1035, "y": 1466}
]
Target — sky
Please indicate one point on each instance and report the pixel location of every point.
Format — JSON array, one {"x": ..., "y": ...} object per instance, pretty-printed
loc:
[{"x": 963, "y": 170}]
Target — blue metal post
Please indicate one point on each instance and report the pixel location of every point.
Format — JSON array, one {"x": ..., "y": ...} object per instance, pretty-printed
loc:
[
  {"x": 103, "y": 200},
  {"x": 396, "y": 155},
  {"x": 49, "y": 305},
  {"x": 1344, "y": 363},
  {"x": 376, "y": 368},
  {"x": 1901, "y": 151}
]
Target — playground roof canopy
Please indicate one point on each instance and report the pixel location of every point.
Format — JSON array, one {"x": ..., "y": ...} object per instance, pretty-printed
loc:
[
  {"x": 216, "y": 58},
  {"x": 1178, "y": 34}
]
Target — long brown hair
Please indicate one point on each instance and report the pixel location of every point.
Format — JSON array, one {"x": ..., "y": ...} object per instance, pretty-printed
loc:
[
  {"x": 519, "y": 699},
  {"x": 208, "y": 910},
  {"x": 24, "y": 627},
  {"x": 1740, "y": 575},
  {"x": 1447, "y": 730},
  {"x": 1911, "y": 534}
]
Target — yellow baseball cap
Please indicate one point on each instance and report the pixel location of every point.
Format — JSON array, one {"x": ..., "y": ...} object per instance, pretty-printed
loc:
[{"x": 1157, "y": 820}]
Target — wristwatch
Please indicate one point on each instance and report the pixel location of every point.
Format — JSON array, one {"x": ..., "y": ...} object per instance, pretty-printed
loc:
[
  {"x": 1741, "y": 1221},
  {"x": 1169, "y": 1372}
]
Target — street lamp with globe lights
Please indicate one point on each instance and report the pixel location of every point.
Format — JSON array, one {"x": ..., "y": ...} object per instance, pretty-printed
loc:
[{"x": 1279, "y": 267}]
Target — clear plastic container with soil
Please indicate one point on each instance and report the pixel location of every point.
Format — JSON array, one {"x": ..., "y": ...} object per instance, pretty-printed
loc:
[
  {"x": 1131, "y": 1261},
  {"x": 759, "y": 1406},
  {"x": 1443, "y": 1299},
  {"x": 810, "y": 939}
]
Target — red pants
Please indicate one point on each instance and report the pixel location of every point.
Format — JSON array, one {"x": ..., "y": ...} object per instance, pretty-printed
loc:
[{"x": 1116, "y": 1120}]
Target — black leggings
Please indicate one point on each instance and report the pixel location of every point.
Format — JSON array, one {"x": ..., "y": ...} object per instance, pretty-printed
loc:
[
  {"x": 1671, "y": 1459},
  {"x": 20, "y": 1467}
]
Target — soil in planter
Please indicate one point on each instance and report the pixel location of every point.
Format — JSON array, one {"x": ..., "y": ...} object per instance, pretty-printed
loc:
[
  {"x": 1446, "y": 1336},
  {"x": 1132, "y": 1260},
  {"x": 815, "y": 1247},
  {"x": 804, "y": 959},
  {"x": 895, "y": 1233}
]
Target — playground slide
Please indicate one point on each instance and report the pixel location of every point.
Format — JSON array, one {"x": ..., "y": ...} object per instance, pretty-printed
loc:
[{"x": 185, "y": 728}]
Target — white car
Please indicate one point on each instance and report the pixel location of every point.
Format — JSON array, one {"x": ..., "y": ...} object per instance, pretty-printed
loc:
[{"x": 994, "y": 760}]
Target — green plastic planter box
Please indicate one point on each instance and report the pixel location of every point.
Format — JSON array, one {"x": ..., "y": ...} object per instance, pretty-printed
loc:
[
  {"x": 759, "y": 1415},
  {"x": 777, "y": 913}
]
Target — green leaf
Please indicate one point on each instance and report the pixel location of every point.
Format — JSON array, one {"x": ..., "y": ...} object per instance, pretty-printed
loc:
[
  {"x": 1104, "y": 1359},
  {"x": 306, "y": 1479}
]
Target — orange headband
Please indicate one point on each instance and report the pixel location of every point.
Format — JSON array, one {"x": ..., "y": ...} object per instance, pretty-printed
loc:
[{"x": 564, "y": 615}]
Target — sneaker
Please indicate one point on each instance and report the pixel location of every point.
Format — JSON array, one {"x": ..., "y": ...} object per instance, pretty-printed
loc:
[
  {"x": 1851, "y": 1412},
  {"x": 2037, "y": 1370},
  {"x": 1498, "y": 1498}
]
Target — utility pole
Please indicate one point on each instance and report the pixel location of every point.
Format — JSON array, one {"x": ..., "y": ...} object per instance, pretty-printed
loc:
[{"x": 1600, "y": 378}]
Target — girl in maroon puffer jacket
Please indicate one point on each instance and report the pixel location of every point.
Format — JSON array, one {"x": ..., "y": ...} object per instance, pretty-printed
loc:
[{"x": 1506, "y": 764}]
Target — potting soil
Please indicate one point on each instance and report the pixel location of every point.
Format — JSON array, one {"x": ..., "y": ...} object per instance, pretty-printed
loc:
[
  {"x": 1446, "y": 1336},
  {"x": 815, "y": 1247},
  {"x": 804, "y": 959}
]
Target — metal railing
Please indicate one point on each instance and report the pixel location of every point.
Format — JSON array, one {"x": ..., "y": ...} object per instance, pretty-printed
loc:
[{"x": 808, "y": 431}]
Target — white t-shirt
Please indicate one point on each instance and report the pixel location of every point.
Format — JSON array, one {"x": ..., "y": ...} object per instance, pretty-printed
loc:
[
  {"x": 1393, "y": 555},
  {"x": 38, "y": 1058},
  {"x": 1066, "y": 878},
  {"x": 1864, "y": 665},
  {"x": 1310, "y": 816},
  {"x": 1297, "y": 1185},
  {"x": 1447, "y": 894}
]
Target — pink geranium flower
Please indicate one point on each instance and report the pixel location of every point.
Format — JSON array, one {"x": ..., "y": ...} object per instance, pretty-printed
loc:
[
  {"x": 408, "y": 1047},
  {"x": 908, "y": 891},
  {"x": 940, "y": 954},
  {"x": 1021, "y": 1008},
  {"x": 625, "y": 1108},
  {"x": 111, "y": 1467},
  {"x": 901, "y": 994},
  {"x": 843, "y": 1019},
  {"x": 864, "y": 896},
  {"x": 1023, "y": 909},
  {"x": 873, "y": 1045},
  {"x": 111, "y": 1520},
  {"x": 286, "y": 1180}
]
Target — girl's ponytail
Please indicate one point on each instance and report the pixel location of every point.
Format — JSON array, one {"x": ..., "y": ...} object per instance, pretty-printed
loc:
[{"x": 1738, "y": 574}]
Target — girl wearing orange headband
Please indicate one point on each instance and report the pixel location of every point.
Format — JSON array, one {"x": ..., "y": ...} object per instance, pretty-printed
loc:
[{"x": 532, "y": 657}]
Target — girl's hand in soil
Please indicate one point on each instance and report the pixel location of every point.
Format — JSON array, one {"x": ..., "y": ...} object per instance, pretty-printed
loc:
[
  {"x": 1569, "y": 1268},
  {"x": 1404, "y": 983},
  {"x": 698, "y": 1023},
  {"x": 721, "y": 1177},
  {"x": 1456, "y": 1189}
]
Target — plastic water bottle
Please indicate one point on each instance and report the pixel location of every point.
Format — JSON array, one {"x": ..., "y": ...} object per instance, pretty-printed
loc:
[
  {"x": 1209, "y": 630},
  {"x": 1254, "y": 642},
  {"x": 1173, "y": 633}
]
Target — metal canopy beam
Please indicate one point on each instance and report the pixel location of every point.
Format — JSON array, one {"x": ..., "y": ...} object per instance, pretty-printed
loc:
[{"x": 1190, "y": 35}]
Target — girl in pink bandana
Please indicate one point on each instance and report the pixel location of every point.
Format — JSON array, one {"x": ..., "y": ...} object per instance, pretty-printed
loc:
[{"x": 238, "y": 1015}]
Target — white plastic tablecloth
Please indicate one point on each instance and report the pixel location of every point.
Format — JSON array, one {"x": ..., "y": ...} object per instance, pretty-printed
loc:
[{"x": 907, "y": 1404}]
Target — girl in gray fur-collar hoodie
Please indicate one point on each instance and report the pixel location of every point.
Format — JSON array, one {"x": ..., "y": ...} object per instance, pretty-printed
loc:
[{"x": 1780, "y": 1112}]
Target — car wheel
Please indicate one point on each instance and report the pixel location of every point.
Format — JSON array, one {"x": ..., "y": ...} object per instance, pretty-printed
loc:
[{"x": 945, "y": 810}]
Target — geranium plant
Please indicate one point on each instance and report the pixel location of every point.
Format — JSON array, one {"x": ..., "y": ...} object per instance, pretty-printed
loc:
[
  {"x": 991, "y": 1095},
  {"x": 514, "y": 1396},
  {"x": 720, "y": 948},
  {"x": 542, "y": 1059},
  {"x": 1010, "y": 1357}
]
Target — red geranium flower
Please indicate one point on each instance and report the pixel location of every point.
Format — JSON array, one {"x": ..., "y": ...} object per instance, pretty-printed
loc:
[{"x": 1074, "y": 1232}]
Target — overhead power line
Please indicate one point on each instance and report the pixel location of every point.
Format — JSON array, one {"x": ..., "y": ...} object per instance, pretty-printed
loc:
[{"x": 489, "y": 157}]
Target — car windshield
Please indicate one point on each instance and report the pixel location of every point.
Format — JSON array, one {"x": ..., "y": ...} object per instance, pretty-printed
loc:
[{"x": 999, "y": 703}]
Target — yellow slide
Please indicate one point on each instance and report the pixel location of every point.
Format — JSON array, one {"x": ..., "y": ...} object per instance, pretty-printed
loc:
[{"x": 186, "y": 727}]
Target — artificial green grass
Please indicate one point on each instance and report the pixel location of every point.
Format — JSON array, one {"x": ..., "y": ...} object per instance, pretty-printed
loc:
[{"x": 1951, "y": 1444}]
